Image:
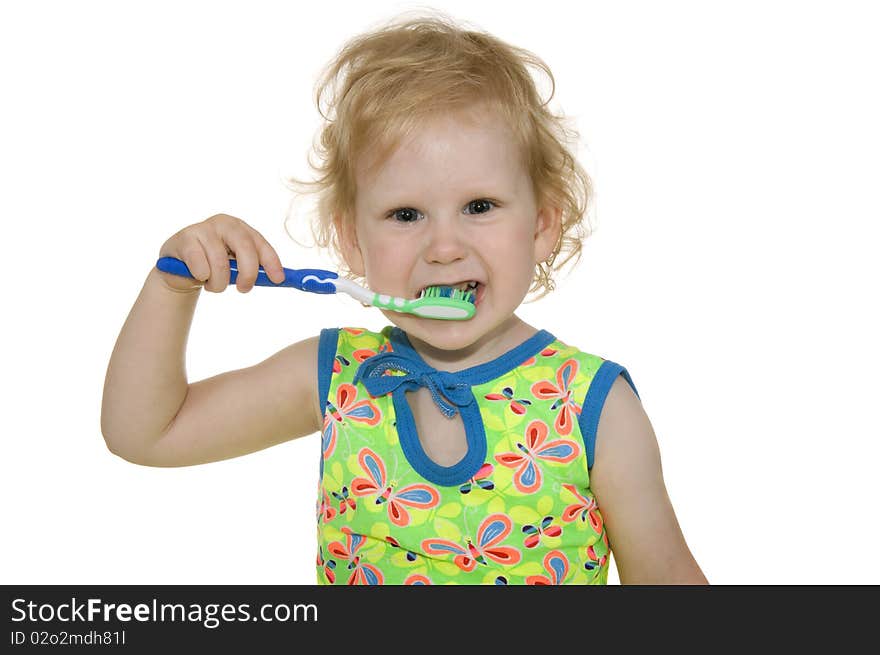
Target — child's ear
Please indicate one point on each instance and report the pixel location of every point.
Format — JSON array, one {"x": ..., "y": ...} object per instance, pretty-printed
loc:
[
  {"x": 348, "y": 243},
  {"x": 548, "y": 228}
]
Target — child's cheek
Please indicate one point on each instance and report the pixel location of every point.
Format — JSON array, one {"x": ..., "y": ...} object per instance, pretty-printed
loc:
[
  {"x": 385, "y": 251},
  {"x": 387, "y": 262}
]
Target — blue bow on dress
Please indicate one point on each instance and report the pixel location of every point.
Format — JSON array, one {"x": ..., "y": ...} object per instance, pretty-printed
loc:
[{"x": 448, "y": 391}]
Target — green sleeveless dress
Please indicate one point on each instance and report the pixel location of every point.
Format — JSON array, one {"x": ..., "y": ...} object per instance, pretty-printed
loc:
[{"x": 516, "y": 509}]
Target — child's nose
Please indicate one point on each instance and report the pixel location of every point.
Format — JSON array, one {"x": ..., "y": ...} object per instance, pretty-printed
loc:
[{"x": 445, "y": 242}]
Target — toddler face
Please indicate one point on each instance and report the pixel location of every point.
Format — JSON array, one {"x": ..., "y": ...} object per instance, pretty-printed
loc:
[{"x": 453, "y": 204}]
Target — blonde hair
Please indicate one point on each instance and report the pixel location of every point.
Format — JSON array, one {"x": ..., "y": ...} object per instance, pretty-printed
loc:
[{"x": 383, "y": 84}]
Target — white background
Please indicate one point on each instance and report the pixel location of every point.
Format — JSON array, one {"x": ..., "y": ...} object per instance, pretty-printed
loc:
[{"x": 734, "y": 151}]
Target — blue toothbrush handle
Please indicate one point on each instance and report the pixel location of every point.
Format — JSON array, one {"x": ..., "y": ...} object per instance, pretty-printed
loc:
[{"x": 304, "y": 279}]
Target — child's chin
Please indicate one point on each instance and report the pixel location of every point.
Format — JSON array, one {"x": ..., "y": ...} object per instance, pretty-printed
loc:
[{"x": 441, "y": 334}]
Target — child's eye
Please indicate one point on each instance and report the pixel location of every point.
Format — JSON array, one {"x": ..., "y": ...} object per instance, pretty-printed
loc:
[
  {"x": 405, "y": 214},
  {"x": 410, "y": 215},
  {"x": 482, "y": 202}
]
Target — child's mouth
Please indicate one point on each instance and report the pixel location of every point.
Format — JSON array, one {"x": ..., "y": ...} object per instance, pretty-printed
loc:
[{"x": 475, "y": 287}]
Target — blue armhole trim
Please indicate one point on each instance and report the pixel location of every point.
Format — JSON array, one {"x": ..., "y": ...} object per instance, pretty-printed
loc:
[
  {"x": 327, "y": 344},
  {"x": 591, "y": 410}
]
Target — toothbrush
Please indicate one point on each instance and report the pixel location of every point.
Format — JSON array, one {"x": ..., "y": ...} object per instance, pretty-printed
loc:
[{"x": 441, "y": 302}]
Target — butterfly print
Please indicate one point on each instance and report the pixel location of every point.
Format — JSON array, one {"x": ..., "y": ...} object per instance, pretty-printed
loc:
[
  {"x": 347, "y": 407},
  {"x": 480, "y": 479},
  {"x": 585, "y": 509},
  {"x": 517, "y": 405},
  {"x": 535, "y": 532},
  {"x": 593, "y": 560},
  {"x": 557, "y": 566},
  {"x": 419, "y": 496},
  {"x": 561, "y": 394},
  {"x": 362, "y": 573},
  {"x": 527, "y": 478},
  {"x": 325, "y": 509},
  {"x": 493, "y": 530},
  {"x": 345, "y": 501},
  {"x": 327, "y": 565}
]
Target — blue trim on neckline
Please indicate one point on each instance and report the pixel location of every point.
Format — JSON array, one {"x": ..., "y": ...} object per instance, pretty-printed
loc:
[
  {"x": 481, "y": 373},
  {"x": 594, "y": 401},
  {"x": 475, "y": 432},
  {"x": 445, "y": 476}
]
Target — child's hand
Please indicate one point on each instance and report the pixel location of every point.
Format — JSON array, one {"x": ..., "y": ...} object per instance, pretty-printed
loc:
[{"x": 206, "y": 249}]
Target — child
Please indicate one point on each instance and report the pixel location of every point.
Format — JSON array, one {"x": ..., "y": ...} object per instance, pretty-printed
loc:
[{"x": 483, "y": 451}]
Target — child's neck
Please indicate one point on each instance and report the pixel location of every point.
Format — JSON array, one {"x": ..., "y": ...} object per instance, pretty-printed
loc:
[{"x": 491, "y": 345}]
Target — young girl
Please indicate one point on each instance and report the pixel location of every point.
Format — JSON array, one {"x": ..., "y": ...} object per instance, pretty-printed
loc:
[{"x": 480, "y": 451}]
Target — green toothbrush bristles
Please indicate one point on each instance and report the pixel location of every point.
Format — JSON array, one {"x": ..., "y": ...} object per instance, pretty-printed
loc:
[{"x": 448, "y": 292}]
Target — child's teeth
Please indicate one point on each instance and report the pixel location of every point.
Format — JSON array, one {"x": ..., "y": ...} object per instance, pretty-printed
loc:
[{"x": 464, "y": 286}]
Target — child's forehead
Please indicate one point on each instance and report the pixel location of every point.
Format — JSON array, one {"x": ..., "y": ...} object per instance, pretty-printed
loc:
[{"x": 447, "y": 151}]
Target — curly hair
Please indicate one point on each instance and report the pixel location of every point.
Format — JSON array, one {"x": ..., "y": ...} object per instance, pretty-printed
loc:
[{"x": 383, "y": 84}]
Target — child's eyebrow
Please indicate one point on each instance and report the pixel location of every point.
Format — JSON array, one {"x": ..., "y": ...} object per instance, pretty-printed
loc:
[{"x": 481, "y": 189}]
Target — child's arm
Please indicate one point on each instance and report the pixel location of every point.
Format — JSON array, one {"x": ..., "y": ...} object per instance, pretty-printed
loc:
[
  {"x": 150, "y": 415},
  {"x": 646, "y": 540}
]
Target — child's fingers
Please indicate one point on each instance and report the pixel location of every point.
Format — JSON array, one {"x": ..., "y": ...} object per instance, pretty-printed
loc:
[
  {"x": 248, "y": 261},
  {"x": 238, "y": 239},
  {"x": 196, "y": 261},
  {"x": 207, "y": 247},
  {"x": 187, "y": 249},
  {"x": 218, "y": 261},
  {"x": 249, "y": 243},
  {"x": 269, "y": 259}
]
